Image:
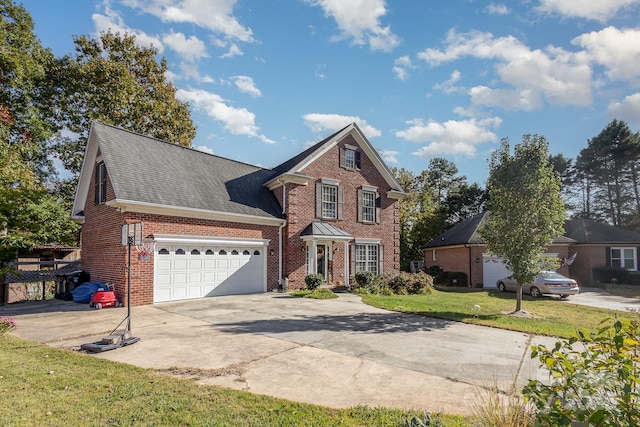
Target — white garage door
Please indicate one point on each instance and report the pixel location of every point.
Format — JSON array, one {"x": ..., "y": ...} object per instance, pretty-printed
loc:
[
  {"x": 189, "y": 271},
  {"x": 493, "y": 269}
]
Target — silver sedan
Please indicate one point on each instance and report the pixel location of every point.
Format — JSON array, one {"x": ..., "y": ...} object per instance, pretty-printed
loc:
[{"x": 547, "y": 282}]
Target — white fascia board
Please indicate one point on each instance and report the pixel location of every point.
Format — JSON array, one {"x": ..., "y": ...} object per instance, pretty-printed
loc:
[
  {"x": 396, "y": 195},
  {"x": 286, "y": 178},
  {"x": 84, "y": 181},
  {"x": 152, "y": 208},
  {"x": 367, "y": 241},
  {"x": 209, "y": 240},
  {"x": 319, "y": 238}
]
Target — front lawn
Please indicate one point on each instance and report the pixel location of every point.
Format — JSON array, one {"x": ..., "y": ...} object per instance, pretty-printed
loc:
[
  {"x": 484, "y": 307},
  {"x": 40, "y": 385}
]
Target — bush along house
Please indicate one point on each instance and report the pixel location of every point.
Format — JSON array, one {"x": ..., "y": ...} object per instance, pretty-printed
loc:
[{"x": 215, "y": 226}]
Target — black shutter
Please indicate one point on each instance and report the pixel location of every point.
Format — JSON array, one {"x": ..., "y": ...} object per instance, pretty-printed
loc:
[
  {"x": 608, "y": 256},
  {"x": 96, "y": 185},
  {"x": 357, "y": 156},
  {"x": 103, "y": 183}
]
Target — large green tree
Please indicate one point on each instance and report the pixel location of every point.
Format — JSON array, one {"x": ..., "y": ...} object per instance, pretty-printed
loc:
[
  {"x": 608, "y": 171},
  {"x": 29, "y": 214},
  {"x": 114, "y": 80},
  {"x": 526, "y": 208}
]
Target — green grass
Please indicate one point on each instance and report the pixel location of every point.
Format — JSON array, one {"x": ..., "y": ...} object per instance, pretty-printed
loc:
[
  {"x": 552, "y": 317},
  {"x": 40, "y": 385}
]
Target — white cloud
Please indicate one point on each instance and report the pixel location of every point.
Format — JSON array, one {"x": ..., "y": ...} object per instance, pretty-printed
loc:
[
  {"x": 618, "y": 50},
  {"x": 190, "y": 49},
  {"x": 509, "y": 99},
  {"x": 234, "y": 50},
  {"x": 204, "y": 149},
  {"x": 599, "y": 10},
  {"x": 449, "y": 85},
  {"x": 359, "y": 20},
  {"x": 112, "y": 21},
  {"x": 401, "y": 67},
  {"x": 214, "y": 15},
  {"x": 628, "y": 110},
  {"x": 558, "y": 76},
  {"x": 456, "y": 137},
  {"x": 497, "y": 9},
  {"x": 333, "y": 122},
  {"x": 238, "y": 121},
  {"x": 389, "y": 156},
  {"x": 247, "y": 85}
]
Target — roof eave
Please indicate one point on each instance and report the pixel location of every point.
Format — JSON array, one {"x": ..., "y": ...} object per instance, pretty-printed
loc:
[
  {"x": 181, "y": 211},
  {"x": 288, "y": 178}
]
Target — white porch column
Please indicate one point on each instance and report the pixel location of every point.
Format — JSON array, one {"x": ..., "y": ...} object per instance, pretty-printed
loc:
[
  {"x": 313, "y": 255},
  {"x": 346, "y": 263}
]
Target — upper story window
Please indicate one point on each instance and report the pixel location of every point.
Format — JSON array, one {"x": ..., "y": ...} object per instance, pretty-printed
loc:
[
  {"x": 624, "y": 257},
  {"x": 100, "y": 183},
  {"x": 350, "y": 157},
  {"x": 329, "y": 199},
  {"x": 368, "y": 204}
]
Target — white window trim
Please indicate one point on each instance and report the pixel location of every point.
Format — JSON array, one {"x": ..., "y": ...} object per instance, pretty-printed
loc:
[{"x": 622, "y": 249}]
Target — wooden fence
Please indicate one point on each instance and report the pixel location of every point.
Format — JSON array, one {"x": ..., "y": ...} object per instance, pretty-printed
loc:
[{"x": 33, "y": 273}]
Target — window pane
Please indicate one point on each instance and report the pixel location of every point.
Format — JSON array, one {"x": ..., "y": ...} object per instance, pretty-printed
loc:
[
  {"x": 329, "y": 201},
  {"x": 350, "y": 159},
  {"x": 368, "y": 206}
]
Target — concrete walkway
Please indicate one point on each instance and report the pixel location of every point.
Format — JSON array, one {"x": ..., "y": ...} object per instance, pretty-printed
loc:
[{"x": 337, "y": 353}]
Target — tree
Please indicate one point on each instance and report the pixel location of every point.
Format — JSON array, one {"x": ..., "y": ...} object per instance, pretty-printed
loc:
[
  {"x": 526, "y": 208},
  {"x": 117, "y": 82},
  {"x": 608, "y": 169},
  {"x": 25, "y": 111}
]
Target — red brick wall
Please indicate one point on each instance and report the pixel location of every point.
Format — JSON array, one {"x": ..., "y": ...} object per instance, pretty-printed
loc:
[
  {"x": 105, "y": 258},
  {"x": 301, "y": 205}
]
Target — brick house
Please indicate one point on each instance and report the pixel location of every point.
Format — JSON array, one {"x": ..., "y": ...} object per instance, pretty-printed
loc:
[
  {"x": 587, "y": 243},
  {"x": 225, "y": 227}
]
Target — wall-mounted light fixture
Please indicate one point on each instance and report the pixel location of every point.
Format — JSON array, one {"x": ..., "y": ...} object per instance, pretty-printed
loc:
[
  {"x": 477, "y": 260},
  {"x": 272, "y": 252}
]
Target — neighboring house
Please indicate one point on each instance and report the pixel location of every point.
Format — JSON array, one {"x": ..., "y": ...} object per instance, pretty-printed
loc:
[
  {"x": 598, "y": 244},
  {"x": 224, "y": 227},
  {"x": 462, "y": 249}
]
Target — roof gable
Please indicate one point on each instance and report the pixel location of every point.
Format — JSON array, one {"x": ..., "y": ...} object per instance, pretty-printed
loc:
[
  {"x": 152, "y": 172},
  {"x": 295, "y": 166}
]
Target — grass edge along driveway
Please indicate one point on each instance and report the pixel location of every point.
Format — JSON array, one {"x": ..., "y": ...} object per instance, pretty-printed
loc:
[{"x": 489, "y": 308}]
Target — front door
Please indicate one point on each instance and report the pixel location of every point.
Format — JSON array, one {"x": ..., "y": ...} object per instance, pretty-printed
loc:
[{"x": 321, "y": 258}]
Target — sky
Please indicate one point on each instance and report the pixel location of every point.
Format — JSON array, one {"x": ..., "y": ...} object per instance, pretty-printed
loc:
[{"x": 422, "y": 79}]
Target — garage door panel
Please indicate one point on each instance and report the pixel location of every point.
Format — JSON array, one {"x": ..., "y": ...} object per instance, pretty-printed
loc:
[{"x": 183, "y": 272}]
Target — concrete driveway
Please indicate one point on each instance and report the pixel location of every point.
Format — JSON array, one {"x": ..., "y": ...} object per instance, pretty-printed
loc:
[{"x": 337, "y": 353}]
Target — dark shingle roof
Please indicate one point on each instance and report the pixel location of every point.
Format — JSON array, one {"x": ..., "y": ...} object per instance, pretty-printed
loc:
[
  {"x": 588, "y": 231},
  {"x": 466, "y": 233},
  {"x": 324, "y": 229},
  {"x": 148, "y": 170}
]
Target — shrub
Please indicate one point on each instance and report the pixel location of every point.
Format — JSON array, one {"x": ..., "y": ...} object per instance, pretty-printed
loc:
[
  {"x": 433, "y": 271},
  {"x": 314, "y": 281},
  {"x": 634, "y": 278},
  {"x": 606, "y": 274},
  {"x": 410, "y": 283},
  {"x": 315, "y": 294},
  {"x": 6, "y": 325},
  {"x": 452, "y": 278},
  {"x": 598, "y": 384},
  {"x": 364, "y": 279}
]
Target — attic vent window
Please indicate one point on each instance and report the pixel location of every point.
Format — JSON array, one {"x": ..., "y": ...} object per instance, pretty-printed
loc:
[{"x": 100, "y": 184}]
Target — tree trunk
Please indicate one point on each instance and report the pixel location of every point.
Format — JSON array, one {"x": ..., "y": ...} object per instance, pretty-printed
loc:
[{"x": 519, "y": 297}]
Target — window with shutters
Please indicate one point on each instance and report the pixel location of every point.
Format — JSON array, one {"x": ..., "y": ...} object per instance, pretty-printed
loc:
[
  {"x": 100, "y": 183},
  {"x": 624, "y": 257},
  {"x": 368, "y": 205},
  {"x": 329, "y": 199},
  {"x": 350, "y": 157}
]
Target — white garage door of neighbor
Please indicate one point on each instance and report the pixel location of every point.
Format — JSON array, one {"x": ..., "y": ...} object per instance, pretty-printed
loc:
[
  {"x": 493, "y": 269},
  {"x": 187, "y": 271}
]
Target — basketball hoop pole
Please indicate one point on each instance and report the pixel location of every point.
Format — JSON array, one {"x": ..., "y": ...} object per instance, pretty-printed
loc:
[{"x": 129, "y": 243}]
